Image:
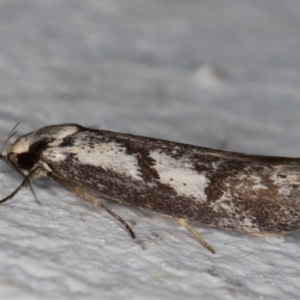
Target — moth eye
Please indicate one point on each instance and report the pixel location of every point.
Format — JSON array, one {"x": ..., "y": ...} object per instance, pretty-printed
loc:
[{"x": 26, "y": 160}]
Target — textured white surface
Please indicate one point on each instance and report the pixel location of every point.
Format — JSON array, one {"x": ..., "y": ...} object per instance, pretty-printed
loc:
[{"x": 221, "y": 74}]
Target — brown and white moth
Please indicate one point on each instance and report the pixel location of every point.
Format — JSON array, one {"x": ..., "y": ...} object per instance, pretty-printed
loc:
[{"x": 249, "y": 193}]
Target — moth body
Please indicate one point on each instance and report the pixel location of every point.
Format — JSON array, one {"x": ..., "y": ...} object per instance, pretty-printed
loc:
[{"x": 249, "y": 193}]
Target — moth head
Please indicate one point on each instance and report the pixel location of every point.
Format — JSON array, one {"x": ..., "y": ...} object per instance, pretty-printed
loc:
[{"x": 25, "y": 153}]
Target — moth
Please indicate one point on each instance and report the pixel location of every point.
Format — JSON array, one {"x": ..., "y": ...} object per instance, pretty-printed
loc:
[{"x": 249, "y": 193}]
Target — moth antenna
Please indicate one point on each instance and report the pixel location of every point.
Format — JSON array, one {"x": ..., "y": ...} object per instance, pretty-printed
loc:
[
  {"x": 197, "y": 235},
  {"x": 11, "y": 134},
  {"x": 33, "y": 174},
  {"x": 81, "y": 193}
]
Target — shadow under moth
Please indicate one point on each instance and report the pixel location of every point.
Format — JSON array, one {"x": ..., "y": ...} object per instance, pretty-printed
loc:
[{"x": 249, "y": 193}]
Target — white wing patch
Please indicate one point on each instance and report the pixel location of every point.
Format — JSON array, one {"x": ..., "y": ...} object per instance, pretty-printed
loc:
[
  {"x": 257, "y": 183},
  {"x": 180, "y": 175},
  {"x": 283, "y": 187},
  {"x": 109, "y": 156},
  {"x": 54, "y": 155}
]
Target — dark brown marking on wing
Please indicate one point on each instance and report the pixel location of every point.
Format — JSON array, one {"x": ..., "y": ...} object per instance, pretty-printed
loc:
[
  {"x": 145, "y": 161},
  {"x": 67, "y": 141}
]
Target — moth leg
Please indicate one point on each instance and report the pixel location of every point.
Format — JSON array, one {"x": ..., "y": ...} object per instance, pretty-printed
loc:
[
  {"x": 117, "y": 217},
  {"x": 37, "y": 172},
  {"x": 183, "y": 223},
  {"x": 81, "y": 193}
]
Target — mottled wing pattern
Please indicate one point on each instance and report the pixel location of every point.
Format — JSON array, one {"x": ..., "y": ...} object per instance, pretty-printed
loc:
[{"x": 228, "y": 190}]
